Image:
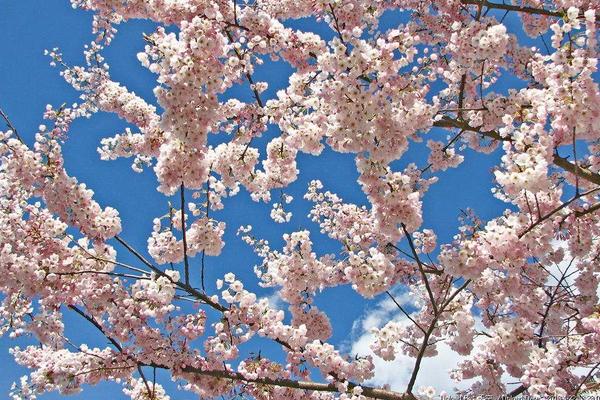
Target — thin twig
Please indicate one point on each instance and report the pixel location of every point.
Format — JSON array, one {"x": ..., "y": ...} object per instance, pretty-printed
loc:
[
  {"x": 10, "y": 125},
  {"x": 185, "y": 256},
  {"x": 404, "y": 312},
  {"x": 420, "y": 265}
]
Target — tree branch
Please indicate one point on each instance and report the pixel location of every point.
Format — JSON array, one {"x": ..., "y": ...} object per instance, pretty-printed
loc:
[
  {"x": 447, "y": 122},
  {"x": 93, "y": 321},
  {"x": 511, "y": 7},
  {"x": 185, "y": 256},
  {"x": 187, "y": 288},
  {"x": 576, "y": 170},
  {"x": 404, "y": 312},
  {"x": 10, "y": 125},
  {"x": 415, "y": 371},
  {"x": 425, "y": 280},
  {"x": 282, "y": 382},
  {"x": 304, "y": 385}
]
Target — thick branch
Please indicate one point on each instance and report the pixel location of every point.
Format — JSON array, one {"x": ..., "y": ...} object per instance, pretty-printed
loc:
[
  {"x": 10, "y": 125},
  {"x": 517, "y": 391},
  {"x": 461, "y": 94},
  {"x": 576, "y": 170},
  {"x": 415, "y": 371},
  {"x": 447, "y": 122},
  {"x": 423, "y": 276},
  {"x": 185, "y": 256},
  {"x": 521, "y": 9},
  {"x": 304, "y": 385},
  {"x": 590, "y": 210},
  {"x": 511, "y": 7}
]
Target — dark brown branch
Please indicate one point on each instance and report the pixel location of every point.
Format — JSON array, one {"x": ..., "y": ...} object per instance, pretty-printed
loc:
[
  {"x": 590, "y": 210},
  {"x": 10, "y": 125},
  {"x": 521, "y": 9},
  {"x": 576, "y": 170},
  {"x": 186, "y": 263},
  {"x": 404, "y": 312},
  {"x": 461, "y": 93},
  {"x": 447, "y": 122},
  {"x": 93, "y": 321},
  {"x": 423, "y": 276},
  {"x": 517, "y": 391},
  {"x": 585, "y": 379},
  {"x": 116, "y": 274},
  {"x": 303, "y": 385},
  {"x": 510, "y": 7},
  {"x": 415, "y": 372},
  {"x": 199, "y": 295}
]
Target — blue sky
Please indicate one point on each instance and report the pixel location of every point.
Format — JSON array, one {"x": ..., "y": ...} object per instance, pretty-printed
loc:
[{"x": 28, "y": 83}]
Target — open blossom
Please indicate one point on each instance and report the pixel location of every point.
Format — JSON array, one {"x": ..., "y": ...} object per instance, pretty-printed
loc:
[
  {"x": 543, "y": 374},
  {"x": 478, "y": 41},
  {"x": 426, "y": 240},
  {"x": 60, "y": 368},
  {"x": 203, "y": 235},
  {"x": 370, "y": 273},
  {"x": 526, "y": 170},
  {"x": 387, "y": 338},
  {"x": 278, "y": 213},
  {"x": 157, "y": 293},
  {"x": 139, "y": 391},
  {"x": 442, "y": 159}
]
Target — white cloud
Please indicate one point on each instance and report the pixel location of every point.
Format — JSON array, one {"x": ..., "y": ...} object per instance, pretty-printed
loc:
[
  {"x": 434, "y": 371},
  {"x": 275, "y": 301}
]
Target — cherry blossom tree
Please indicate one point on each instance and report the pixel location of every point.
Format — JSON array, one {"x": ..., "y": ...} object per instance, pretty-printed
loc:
[{"x": 516, "y": 295}]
